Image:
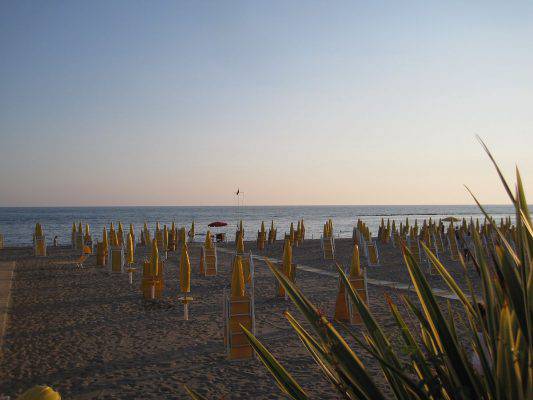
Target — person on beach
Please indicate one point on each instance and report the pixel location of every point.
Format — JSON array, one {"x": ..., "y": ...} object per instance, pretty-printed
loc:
[{"x": 55, "y": 241}]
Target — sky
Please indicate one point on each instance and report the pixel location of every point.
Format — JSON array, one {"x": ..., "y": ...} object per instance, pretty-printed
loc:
[{"x": 292, "y": 102}]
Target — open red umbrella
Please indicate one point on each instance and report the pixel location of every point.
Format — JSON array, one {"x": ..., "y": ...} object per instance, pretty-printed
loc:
[
  {"x": 217, "y": 224},
  {"x": 220, "y": 237}
]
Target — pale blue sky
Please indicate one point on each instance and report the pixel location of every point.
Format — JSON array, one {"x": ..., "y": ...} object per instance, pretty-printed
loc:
[{"x": 156, "y": 102}]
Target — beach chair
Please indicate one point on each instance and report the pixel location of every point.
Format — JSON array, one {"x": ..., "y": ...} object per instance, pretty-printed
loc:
[
  {"x": 220, "y": 237},
  {"x": 261, "y": 240},
  {"x": 438, "y": 241},
  {"x": 78, "y": 241},
  {"x": 101, "y": 256},
  {"x": 328, "y": 247},
  {"x": 238, "y": 311},
  {"x": 414, "y": 247},
  {"x": 372, "y": 254},
  {"x": 79, "y": 262},
  {"x": 210, "y": 260},
  {"x": 345, "y": 310},
  {"x": 433, "y": 248},
  {"x": 116, "y": 259},
  {"x": 452, "y": 245},
  {"x": 152, "y": 285}
]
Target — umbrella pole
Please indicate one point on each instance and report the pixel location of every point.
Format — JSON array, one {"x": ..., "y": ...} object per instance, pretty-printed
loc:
[
  {"x": 152, "y": 292},
  {"x": 186, "y": 311},
  {"x": 131, "y": 277}
]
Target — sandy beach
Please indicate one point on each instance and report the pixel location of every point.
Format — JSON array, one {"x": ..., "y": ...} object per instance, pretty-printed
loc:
[{"x": 90, "y": 335}]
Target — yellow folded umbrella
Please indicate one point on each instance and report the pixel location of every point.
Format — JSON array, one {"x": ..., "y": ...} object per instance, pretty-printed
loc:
[
  {"x": 240, "y": 243},
  {"x": 287, "y": 259},
  {"x": 87, "y": 233},
  {"x": 191, "y": 232},
  {"x": 38, "y": 230},
  {"x": 165, "y": 237},
  {"x": 355, "y": 265},
  {"x": 40, "y": 393},
  {"x": 104, "y": 240},
  {"x": 154, "y": 261},
  {"x": 185, "y": 271},
  {"x": 237, "y": 278},
  {"x": 208, "y": 243},
  {"x": 120, "y": 234},
  {"x": 130, "y": 249},
  {"x": 113, "y": 238}
]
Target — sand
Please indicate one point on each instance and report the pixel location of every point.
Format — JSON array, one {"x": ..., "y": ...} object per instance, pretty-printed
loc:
[{"x": 90, "y": 335}]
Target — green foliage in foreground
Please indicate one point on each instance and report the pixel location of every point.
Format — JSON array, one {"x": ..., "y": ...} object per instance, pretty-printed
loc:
[{"x": 439, "y": 365}]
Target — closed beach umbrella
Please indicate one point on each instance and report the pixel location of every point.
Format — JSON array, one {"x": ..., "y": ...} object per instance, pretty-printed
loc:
[
  {"x": 111, "y": 234},
  {"x": 237, "y": 278},
  {"x": 240, "y": 242},
  {"x": 355, "y": 265},
  {"x": 104, "y": 240},
  {"x": 120, "y": 234},
  {"x": 40, "y": 393},
  {"x": 130, "y": 249},
  {"x": 87, "y": 233},
  {"x": 191, "y": 232},
  {"x": 38, "y": 230},
  {"x": 208, "y": 244},
  {"x": 154, "y": 261},
  {"x": 146, "y": 233},
  {"x": 287, "y": 260},
  {"x": 113, "y": 238},
  {"x": 185, "y": 271}
]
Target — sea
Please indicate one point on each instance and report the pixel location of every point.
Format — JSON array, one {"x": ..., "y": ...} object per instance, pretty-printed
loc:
[{"x": 17, "y": 223}]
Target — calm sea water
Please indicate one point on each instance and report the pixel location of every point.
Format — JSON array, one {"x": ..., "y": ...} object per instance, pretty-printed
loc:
[{"x": 17, "y": 224}]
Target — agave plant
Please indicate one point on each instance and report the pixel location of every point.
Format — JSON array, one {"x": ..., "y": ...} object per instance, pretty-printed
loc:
[{"x": 498, "y": 326}]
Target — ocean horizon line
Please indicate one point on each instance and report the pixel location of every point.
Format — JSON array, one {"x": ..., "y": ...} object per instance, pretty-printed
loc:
[{"x": 259, "y": 205}]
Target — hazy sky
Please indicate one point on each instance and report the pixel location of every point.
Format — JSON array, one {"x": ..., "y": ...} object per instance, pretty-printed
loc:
[{"x": 171, "y": 103}]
